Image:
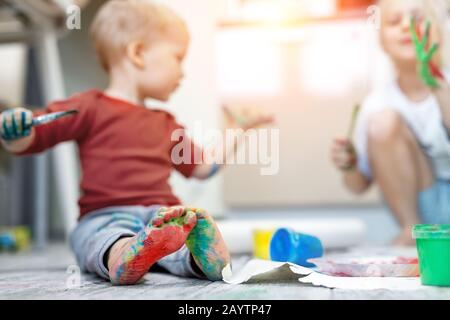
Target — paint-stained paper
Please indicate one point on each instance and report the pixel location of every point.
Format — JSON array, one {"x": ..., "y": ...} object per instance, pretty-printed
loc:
[
  {"x": 347, "y": 283},
  {"x": 262, "y": 270},
  {"x": 256, "y": 271}
]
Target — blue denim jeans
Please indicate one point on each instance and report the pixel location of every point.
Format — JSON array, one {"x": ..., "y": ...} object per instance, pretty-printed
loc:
[{"x": 434, "y": 203}]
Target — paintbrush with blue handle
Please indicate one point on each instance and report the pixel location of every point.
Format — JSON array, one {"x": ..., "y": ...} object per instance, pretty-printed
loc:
[{"x": 16, "y": 124}]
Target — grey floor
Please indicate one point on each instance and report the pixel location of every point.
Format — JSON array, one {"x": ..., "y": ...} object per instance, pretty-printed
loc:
[{"x": 45, "y": 274}]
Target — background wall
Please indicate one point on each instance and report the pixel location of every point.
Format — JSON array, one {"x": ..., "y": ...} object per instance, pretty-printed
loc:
[
  {"x": 311, "y": 77},
  {"x": 81, "y": 70},
  {"x": 12, "y": 77}
]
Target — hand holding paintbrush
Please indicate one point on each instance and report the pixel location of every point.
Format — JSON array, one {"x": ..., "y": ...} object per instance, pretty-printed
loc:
[
  {"x": 343, "y": 152},
  {"x": 17, "y": 123}
]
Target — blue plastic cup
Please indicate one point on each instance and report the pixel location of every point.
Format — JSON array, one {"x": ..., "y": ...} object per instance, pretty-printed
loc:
[{"x": 290, "y": 246}]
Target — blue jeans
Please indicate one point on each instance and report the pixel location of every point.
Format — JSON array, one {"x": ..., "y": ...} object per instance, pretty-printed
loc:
[
  {"x": 434, "y": 203},
  {"x": 99, "y": 230}
]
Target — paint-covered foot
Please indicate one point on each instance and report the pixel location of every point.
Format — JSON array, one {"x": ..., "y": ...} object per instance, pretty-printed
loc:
[
  {"x": 131, "y": 258},
  {"x": 208, "y": 248}
]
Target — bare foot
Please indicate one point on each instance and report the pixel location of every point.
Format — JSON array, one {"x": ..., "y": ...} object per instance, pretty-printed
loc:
[
  {"x": 404, "y": 239},
  {"x": 206, "y": 245},
  {"x": 131, "y": 258}
]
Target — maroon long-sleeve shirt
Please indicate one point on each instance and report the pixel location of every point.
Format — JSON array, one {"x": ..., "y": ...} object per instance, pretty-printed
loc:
[{"x": 125, "y": 150}]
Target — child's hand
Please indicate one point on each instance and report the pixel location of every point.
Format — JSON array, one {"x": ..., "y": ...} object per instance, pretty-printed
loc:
[
  {"x": 428, "y": 70},
  {"x": 343, "y": 154},
  {"x": 248, "y": 120},
  {"x": 15, "y": 124}
]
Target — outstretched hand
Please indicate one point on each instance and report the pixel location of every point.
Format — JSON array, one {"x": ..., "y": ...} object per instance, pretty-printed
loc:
[
  {"x": 429, "y": 72},
  {"x": 248, "y": 121}
]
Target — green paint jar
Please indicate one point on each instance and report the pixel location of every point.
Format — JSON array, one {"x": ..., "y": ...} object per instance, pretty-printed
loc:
[{"x": 433, "y": 246}]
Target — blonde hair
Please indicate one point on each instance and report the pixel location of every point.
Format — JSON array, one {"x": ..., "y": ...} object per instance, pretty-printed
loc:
[{"x": 121, "y": 22}]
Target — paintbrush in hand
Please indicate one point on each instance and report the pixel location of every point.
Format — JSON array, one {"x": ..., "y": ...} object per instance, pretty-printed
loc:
[
  {"x": 351, "y": 131},
  {"x": 355, "y": 114}
]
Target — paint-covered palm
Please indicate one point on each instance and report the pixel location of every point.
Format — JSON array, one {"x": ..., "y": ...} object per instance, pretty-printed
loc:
[
  {"x": 207, "y": 246},
  {"x": 425, "y": 53},
  {"x": 15, "y": 124}
]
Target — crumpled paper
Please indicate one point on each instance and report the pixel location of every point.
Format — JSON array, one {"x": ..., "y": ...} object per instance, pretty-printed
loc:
[{"x": 261, "y": 270}]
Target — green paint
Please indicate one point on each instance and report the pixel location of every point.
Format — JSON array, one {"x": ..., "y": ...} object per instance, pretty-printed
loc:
[
  {"x": 424, "y": 54},
  {"x": 355, "y": 114},
  {"x": 134, "y": 261},
  {"x": 433, "y": 246},
  {"x": 351, "y": 149},
  {"x": 177, "y": 222},
  {"x": 14, "y": 127},
  {"x": 202, "y": 243}
]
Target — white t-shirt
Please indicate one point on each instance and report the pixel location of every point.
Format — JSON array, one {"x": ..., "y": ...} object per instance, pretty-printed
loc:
[{"x": 423, "y": 118}]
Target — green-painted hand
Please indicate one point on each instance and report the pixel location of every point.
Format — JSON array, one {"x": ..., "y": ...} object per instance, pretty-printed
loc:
[{"x": 425, "y": 54}]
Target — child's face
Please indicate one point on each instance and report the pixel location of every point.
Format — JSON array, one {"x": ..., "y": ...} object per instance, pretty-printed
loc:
[
  {"x": 162, "y": 72},
  {"x": 395, "y": 28}
]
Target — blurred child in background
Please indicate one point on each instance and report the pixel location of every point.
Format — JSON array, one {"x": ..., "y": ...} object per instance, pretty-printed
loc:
[{"x": 402, "y": 140}]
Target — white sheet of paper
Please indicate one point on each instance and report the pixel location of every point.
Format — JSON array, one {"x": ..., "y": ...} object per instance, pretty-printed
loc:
[
  {"x": 322, "y": 280},
  {"x": 261, "y": 270},
  {"x": 267, "y": 270}
]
